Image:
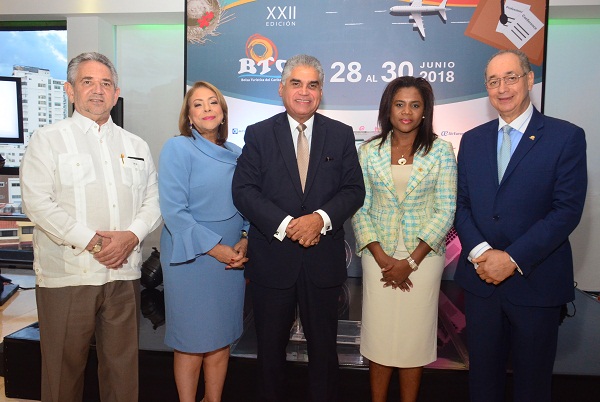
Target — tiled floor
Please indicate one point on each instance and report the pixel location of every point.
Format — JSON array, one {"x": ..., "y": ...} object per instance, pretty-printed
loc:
[{"x": 18, "y": 312}]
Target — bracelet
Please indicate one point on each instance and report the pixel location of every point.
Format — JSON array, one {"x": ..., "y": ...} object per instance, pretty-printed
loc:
[{"x": 413, "y": 265}]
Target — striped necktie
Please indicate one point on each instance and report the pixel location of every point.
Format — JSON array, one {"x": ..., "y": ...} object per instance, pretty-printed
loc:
[{"x": 302, "y": 155}]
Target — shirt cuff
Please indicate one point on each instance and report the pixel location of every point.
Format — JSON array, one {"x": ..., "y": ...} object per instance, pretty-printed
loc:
[
  {"x": 514, "y": 262},
  {"x": 81, "y": 247},
  {"x": 280, "y": 234},
  {"x": 326, "y": 221},
  {"x": 478, "y": 250},
  {"x": 140, "y": 229}
]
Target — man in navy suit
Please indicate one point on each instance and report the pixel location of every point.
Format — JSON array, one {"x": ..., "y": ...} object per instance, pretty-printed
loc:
[
  {"x": 514, "y": 223},
  {"x": 296, "y": 245}
]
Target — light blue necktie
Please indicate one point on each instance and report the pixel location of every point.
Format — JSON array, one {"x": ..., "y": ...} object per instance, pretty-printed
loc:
[{"x": 504, "y": 154}]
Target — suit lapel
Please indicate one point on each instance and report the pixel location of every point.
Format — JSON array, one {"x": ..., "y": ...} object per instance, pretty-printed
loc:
[
  {"x": 382, "y": 166},
  {"x": 491, "y": 147},
  {"x": 421, "y": 166},
  {"x": 531, "y": 136},
  {"x": 317, "y": 144},
  {"x": 381, "y": 160},
  {"x": 286, "y": 147}
]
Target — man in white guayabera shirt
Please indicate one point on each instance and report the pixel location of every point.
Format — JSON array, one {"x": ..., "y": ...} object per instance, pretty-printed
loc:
[{"x": 90, "y": 187}]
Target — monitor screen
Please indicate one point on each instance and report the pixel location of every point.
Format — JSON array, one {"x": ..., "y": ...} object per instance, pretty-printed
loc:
[{"x": 11, "y": 111}]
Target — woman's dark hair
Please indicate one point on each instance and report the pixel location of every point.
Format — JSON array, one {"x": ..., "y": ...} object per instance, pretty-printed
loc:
[
  {"x": 425, "y": 135},
  {"x": 185, "y": 128}
]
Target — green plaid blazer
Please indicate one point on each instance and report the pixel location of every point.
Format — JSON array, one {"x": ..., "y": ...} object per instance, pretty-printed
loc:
[{"x": 426, "y": 211}]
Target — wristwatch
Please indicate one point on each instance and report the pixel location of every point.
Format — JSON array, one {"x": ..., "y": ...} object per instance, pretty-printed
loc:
[
  {"x": 412, "y": 263},
  {"x": 97, "y": 247},
  {"x": 244, "y": 235}
]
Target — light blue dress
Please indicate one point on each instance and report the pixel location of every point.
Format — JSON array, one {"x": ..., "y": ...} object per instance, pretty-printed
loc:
[{"x": 203, "y": 300}]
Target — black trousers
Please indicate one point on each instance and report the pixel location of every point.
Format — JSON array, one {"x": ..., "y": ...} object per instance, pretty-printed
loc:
[{"x": 274, "y": 314}]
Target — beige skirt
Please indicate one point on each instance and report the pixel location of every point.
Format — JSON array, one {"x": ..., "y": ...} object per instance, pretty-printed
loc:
[{"x": 399, "y": 329}]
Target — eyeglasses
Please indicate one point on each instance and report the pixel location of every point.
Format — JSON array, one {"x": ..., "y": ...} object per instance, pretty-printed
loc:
[{"x": 508, "y": 80}]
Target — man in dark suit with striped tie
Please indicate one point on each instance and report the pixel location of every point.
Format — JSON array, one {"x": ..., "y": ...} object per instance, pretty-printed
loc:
[{"x": 296, "y": 242}]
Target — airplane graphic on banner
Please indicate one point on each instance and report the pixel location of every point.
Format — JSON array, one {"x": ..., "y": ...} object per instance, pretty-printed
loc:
[{"x": 416, "y": 11}]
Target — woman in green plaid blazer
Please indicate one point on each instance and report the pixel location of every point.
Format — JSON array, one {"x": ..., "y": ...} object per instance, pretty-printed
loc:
[{"x": 410, "y": 182}]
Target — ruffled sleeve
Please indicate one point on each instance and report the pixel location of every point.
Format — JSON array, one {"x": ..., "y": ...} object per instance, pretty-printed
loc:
[
  {"x": 192, "y": 242},
  {"x": 190, "y": 239}
]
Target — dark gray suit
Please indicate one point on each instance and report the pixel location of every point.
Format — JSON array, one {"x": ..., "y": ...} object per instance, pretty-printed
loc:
[{"x": 266, "y": 189}]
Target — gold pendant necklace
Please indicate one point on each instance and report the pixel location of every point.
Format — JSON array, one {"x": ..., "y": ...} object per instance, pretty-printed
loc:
[{"x": 402, "y": 161}]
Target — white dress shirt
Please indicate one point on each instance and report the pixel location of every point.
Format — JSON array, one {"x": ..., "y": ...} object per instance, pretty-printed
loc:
[
  {"x": 280, "y": 233},
  {"x": 77, "y": 178}
]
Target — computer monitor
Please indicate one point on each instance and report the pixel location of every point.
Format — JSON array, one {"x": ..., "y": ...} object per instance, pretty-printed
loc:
[{"x": 11, "y": 111}]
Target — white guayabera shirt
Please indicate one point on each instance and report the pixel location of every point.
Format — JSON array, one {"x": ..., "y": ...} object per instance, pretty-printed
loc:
[{"x": 76, "y": 179}]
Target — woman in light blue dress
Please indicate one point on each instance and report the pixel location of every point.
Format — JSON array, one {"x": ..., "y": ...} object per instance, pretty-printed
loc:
[{"x": 203, "y": 244}]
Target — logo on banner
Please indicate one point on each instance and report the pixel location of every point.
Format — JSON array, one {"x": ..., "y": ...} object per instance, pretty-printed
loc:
[
  {"x": 281, "y": 16},
  {"x": 261, "y": 62},
  {"x": 260, "y": 48}
]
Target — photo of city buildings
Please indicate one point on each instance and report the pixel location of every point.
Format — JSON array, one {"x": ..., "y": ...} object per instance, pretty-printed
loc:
[{"x": 39, "y": 59}]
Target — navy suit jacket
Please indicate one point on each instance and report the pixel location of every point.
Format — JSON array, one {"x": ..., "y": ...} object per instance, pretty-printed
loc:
[
  {"x": 266, "y": 188},
  {"x": 529, "y": 214}
]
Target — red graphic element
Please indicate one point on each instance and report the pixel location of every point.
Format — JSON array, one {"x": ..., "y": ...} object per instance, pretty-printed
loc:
[{"x": 206, "y": 19}]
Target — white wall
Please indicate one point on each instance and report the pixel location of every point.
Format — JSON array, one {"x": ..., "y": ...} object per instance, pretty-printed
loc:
[
  {"x": 573, "y": 93},
  {"x": 118, "y": 12},
  {"x": 150, "y": 64}
]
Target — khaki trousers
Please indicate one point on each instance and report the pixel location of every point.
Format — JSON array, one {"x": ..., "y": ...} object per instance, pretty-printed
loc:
[{"x": 69, "y": 318}]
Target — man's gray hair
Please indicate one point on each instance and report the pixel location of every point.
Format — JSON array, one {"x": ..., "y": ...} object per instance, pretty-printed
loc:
[
  {"x": 302, "y": 60},
  {"x": 523, "y": 60},
  {"x": 91, "y": 56}
]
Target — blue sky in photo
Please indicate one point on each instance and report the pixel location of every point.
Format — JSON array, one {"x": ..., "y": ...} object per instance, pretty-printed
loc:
[{"x": 42, "y": 49}]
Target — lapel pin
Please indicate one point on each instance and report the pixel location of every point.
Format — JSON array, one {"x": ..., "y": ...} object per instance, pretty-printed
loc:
[{"x": 532, "y": 137}]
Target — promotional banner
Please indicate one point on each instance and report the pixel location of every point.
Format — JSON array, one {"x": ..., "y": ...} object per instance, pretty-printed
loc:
[{"x": 241, "y": 47}]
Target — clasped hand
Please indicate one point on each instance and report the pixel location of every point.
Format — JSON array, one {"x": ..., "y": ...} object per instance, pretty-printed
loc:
[
  {"x": 233, "y": 257},
  {"x": 116, "y": 248},
  {"x": 395, "y": 273},
  {"x": 494, "y": 266},
  {"x": 306, "y": 230}
]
